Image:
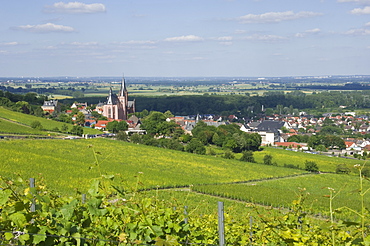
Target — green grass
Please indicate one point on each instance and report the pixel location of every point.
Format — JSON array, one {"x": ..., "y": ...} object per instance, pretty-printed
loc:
[
  {"x": 47, "y": 124},
  {"x": 65, "y": 164},
  {"x": 281, "y": 157},
  {"x": 281, "y": 192},
  {"x": 13, "y": 128}
]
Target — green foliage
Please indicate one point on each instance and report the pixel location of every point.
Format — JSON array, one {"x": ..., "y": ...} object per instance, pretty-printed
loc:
[
  {"x": 228, "y": 155},
  {"x": 247, "y": 156},
  {"x": 36, "y": 125},
  {"x": 267, "y": 160},
  {"x": 117, "y": 126},
  {"x": 311, "y": 166},
  {"x": 342, "y": 169},
  {"x": 77, "y": 130},
  {"x": 122, "y": 136},
  {"x": 195, "y": 146}
]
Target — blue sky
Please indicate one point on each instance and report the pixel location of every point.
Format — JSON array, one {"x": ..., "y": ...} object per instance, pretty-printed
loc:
[{"x": 175, "y": 38}]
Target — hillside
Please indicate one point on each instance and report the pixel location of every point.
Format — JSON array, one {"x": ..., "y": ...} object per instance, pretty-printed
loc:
[
  {"x": 67, "y": 165},
  {"x": 26, "y": 119}
]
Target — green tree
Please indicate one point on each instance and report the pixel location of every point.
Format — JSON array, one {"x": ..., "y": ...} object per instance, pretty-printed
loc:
[
  {"x": 122, "y": 136},
  {"x": 117, "y": 126},
  {"x": 247, "y": 156},
  {"x": 80, "y": 119},
  {"x": 195, "y": 146},
  {"x": 311, "y": 166},
  {"x": 267, "y": 160},
  {"x": 77, "y": 130},
  {"x": 36, "y": 125},
  {"x": 64, "y": 128}
]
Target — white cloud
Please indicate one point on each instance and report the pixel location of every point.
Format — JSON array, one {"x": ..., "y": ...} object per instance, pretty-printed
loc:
[
  {"x": 367, "y": 24},
  {"x": 9, "y": 44},
  {"x": 307, "y": 32},
  {"x": 85, "y": 44},
  {"x": 137, "y": 42},
  {"x": 359, "y": 11},
  {"x": 45, "y": 28},
  {"x": 275, "y": 17},
  {"x": 188, "y": 38},
  {"x": 225, "y": 38},
  {"x": 358, "y": 32},
  {"x": 260, "y": 37},
  {"x": 363, "y": 2},
  {"x": 75, "y": 8}
]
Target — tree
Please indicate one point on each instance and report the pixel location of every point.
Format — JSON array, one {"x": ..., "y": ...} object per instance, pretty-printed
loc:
[
  {"x": 122, "y": 136},
  {"x": 247, "y": 156},
  {"x": 77, "y": 130},
  {"x": 64, "y": 128},
  {"x": 115, "y": 126},
  {"x": 267, "y": 160},
  {"x": 80, "y": 119},
  {"x": 195, "y": 146},
  {"x": 311, "y": 166},
  {"x": 36, "y": 125}
]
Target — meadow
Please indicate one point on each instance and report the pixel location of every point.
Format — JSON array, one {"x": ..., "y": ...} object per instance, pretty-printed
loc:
[
  {"x": 48, "y": 125},
  {"x": 9, "y": 127},
  {"x": 281, "y": 157},
  {"x": 279, "y": 192},
  {"x": 70, "y": 164}
]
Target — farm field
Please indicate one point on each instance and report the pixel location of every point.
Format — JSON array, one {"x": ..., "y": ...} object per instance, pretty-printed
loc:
[
  {"x": 69, "y": 164},
  {"x": 281, "y": 157},
  {"x": 48, "y": 125},
  {"x": 13, "y": 128},
  {"x": 279, "y": 192}
]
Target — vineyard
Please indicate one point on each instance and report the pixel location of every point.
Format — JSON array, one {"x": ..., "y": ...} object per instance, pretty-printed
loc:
[
  {"x": 136, "y": 195},
  {"x": 48, "y": 125},
  {"x": 9, "y": 127}
]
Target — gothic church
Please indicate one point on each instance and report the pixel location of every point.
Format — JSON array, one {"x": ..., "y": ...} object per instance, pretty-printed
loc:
[{"x": 118, "y": 106}]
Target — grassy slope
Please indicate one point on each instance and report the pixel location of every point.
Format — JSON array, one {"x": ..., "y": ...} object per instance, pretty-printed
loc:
[
  {"x": 325, "y": 163},
  {"x": 28, "y": 119},
  {"x": 65, "y": 164},
  {"x": 14, "y": 128},
  {"x": 281, "y": 192}
]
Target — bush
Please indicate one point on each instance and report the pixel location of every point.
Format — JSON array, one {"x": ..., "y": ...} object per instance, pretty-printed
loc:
[
  {"x": 267, "y": 160},
  {"x": 311, "y": 166},
  {"x": 247, "y": 156},
  {"x": 228, "y": 155},
  {"x": 36, "y": 125},
  {"x": 342, "y": 169}
]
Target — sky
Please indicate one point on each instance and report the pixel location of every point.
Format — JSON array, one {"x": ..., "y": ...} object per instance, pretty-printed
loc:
[{"x": 184, "y": 38}]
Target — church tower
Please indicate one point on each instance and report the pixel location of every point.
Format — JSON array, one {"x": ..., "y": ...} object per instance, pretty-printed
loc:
[
  {"x": 123, "y": 98},
  {"x": 118, "y": 106}
]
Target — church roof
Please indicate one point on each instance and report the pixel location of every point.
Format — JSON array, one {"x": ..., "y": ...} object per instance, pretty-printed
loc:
[{"x": 112, "y": 98}]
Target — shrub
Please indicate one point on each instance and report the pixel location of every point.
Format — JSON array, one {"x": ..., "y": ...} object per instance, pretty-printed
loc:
[
  {"x": 228, "y": 155},
  {"x": 247, "y": 156},
  {"x": 36, "y": 125},
  {"x": 311, "y": 166},
  {"x": 342, "y": 168},
  {"x": 267, "y": 160}
]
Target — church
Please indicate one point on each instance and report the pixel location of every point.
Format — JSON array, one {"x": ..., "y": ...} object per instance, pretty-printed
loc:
[{"x": 118, "y": 106}]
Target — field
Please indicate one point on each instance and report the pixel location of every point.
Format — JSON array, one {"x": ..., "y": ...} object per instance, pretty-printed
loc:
[
  {"x": 167, "y": 181},
  {"x": 279, "y": 192},
  {"x": 9, "y": 127},
  {"x": 281, "y": 157},
  {"x": 65, "y": 164},
  {"x": 47, "y": 125}
]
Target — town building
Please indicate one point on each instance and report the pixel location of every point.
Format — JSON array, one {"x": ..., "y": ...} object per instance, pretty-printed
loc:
[
  {"x": 118, "y": 106},
  {"x": 51, "y": 106}
]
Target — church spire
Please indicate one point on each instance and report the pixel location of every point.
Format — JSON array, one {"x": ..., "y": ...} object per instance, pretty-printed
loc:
[{"x": 123, "y": 87}]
